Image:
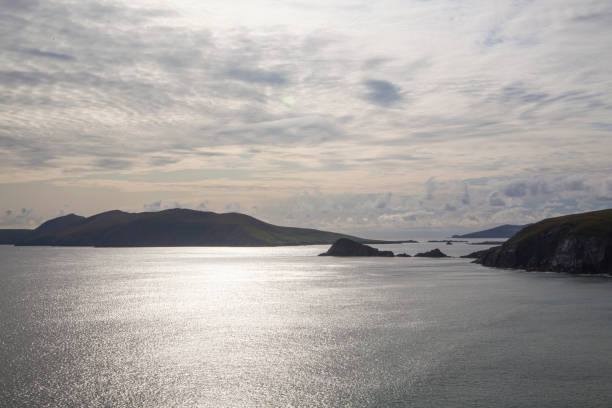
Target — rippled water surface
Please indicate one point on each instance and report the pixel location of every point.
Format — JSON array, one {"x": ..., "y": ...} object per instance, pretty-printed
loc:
[{"x": 226, "y": 327}]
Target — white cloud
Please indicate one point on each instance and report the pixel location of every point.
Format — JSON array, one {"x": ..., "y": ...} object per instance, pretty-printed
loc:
[
  {"x": 22, "y": 218},
  {"x": 465, "y": 112}
]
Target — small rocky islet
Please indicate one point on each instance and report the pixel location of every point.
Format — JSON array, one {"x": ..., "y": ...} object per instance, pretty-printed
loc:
[{"x": 348, "y": 247}]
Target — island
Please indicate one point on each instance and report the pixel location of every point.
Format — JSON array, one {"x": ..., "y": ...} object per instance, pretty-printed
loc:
[
  {"x": 173, "y": 227},
  {"x": 349, "y": 247},
  {"x": 577, "y": 243},
  {"x": 434, "y": 253}
]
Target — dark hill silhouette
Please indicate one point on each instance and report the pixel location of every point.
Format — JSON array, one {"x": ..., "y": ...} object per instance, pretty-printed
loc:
[
  {"x": 58, "y": 224},
  {"x": 175, "y": 227}
]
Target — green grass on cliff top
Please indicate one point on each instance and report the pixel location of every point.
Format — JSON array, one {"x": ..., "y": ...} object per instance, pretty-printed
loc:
[{"x": 594, "y": 223}]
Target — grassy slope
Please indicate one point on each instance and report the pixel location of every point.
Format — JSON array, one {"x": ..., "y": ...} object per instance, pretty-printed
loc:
[{"x": 595, "y": 223}]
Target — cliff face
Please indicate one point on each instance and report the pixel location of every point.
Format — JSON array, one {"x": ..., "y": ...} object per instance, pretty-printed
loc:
[{"x": 579, "y": 243}]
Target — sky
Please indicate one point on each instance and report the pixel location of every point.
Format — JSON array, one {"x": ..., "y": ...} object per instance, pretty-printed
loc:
[{"x": 389, "y": 119}]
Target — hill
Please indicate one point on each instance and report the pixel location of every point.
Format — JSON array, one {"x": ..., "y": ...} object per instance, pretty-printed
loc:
[
  {"x": 577, "y": 243},
  {"x": 175, "y": 227},
  {"x": 502, "y": 231}
]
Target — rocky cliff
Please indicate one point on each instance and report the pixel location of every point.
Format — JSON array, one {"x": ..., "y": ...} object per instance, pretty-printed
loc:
[{"x": 578, "y": 243}]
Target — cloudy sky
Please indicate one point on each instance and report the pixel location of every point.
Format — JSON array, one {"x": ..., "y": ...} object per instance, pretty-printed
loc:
[{"x": 386, "y": 119}]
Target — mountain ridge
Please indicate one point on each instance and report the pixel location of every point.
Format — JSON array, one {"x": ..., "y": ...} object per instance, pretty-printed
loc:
[{"x": 174, "y": 227}]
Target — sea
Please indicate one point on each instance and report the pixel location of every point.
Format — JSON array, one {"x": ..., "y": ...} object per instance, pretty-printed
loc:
[{"x": 282, "y": 327}]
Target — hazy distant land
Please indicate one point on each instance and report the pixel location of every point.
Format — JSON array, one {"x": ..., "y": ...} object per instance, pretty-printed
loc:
[{"x": 502, "y": 231}]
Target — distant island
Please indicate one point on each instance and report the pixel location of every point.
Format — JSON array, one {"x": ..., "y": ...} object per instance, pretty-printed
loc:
[
  {"x": 578, "y": 243},
  {"x": 502, "y": 231},
  {"x": 174, "y": 227}
]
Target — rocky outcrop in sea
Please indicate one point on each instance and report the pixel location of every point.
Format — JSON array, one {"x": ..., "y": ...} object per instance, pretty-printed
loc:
[
  {"x": 434, "y": 253},
  {"x": 348, "y": 247}
]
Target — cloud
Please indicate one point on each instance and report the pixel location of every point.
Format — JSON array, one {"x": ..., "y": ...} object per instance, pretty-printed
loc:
[
  {"x": 516, "y": 189},
  {"x": 163, "y": 160},
  {"x": 22, "y": 218},
  {"x": 21, "y": 5},
  {"x": 169, "y": 204},
  {"x": 375, "y": 62},
  {"x": 250, "y": 107},
  {"x": 301, "y": 130},
  {"x": 465, "y": 198},
  {"x": 495, "y": 200},
  {"x": 603, "y": 126},
  {"x": 383, "y": 93},
  {"x": 257, "y": 76},
  {"x": 493, "y": 38},
  {"x": 575, "y": 185},
  {"x": 430, "y": 188},
  {"x": 233, "y": 207},
  {"x": 113, "y": 164},
  {"x": 154, "y": 206},
  {"x": 48, "y": 54},
  {"x": 539, "y": 187}
]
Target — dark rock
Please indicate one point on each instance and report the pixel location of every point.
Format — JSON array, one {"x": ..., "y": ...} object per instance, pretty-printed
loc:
[
  {"x": 434, "y": 253},
  {"x": 348, "y": 247},
  {"x": 579, "y": 243},
  {"x": 404, "y": 255}
]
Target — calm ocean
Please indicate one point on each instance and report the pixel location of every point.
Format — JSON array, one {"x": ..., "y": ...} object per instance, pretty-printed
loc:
[{"x": 230, "y": 327}]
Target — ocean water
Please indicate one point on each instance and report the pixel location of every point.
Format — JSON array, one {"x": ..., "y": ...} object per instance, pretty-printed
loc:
[{"x": 230, "y": 327}]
